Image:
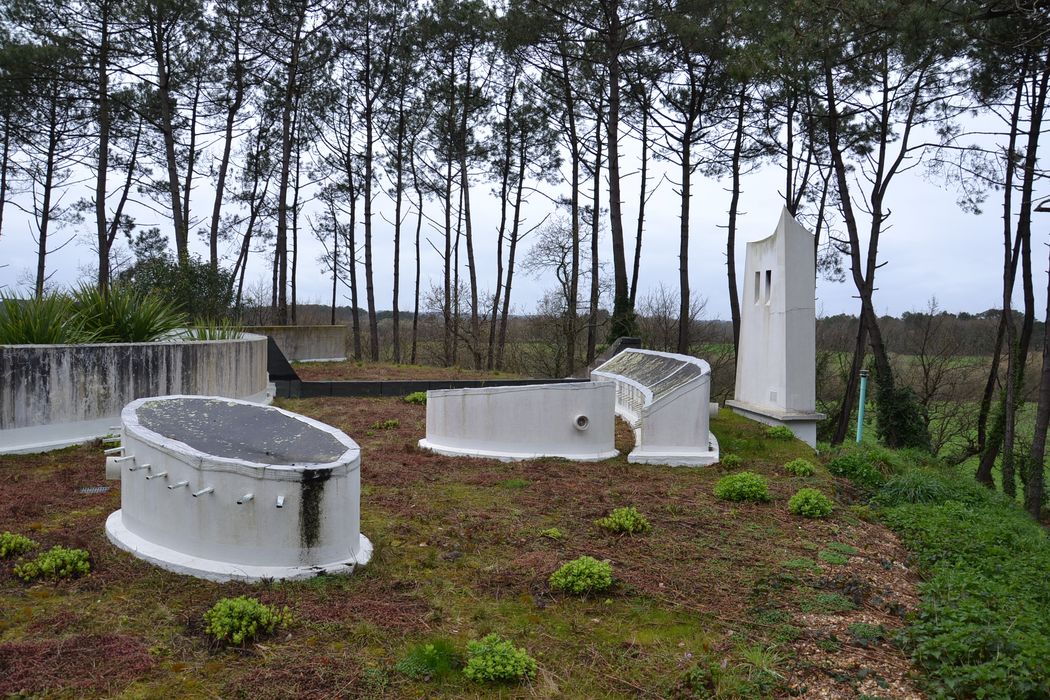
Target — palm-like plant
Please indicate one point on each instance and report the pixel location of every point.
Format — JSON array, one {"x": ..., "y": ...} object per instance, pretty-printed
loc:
[
  {"x": 45, "y": 320},
  {"x": 123, "y": 315}
]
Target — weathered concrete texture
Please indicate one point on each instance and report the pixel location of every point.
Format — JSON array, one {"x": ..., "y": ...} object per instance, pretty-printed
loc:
[
  {"x": 776, "y": 358},
  {"x": 240, "y": 514},
  {"x": 573, "y": 421},
  {"x": 666, "y": 399},
  {"x": 307, "y": 343},
  {"x": 57, "y": 395}
]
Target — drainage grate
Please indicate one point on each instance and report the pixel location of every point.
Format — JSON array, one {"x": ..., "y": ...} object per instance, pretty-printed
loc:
[{"x": 92, "y": 490}]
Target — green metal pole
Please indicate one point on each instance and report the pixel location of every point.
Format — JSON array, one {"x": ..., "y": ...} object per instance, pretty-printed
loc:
[{"x": 863, "y": 400}]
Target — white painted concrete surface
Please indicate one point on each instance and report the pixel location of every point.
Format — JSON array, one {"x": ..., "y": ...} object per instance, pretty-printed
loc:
[
  {"x": 212, "y": 535},
  {"x": 776, "y": 357},
  {"x": 52, "y": 396},
  {"x": 666, "y": 399},
  {"x": 573, "y": 421},
  {"x": 307, "y": 343}
]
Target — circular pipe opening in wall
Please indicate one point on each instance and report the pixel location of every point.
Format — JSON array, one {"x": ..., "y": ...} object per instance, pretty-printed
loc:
[{"x": 581, "y": 422}]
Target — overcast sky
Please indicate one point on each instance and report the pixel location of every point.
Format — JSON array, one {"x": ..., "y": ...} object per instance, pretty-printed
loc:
[{"x": 932, "y": 247}]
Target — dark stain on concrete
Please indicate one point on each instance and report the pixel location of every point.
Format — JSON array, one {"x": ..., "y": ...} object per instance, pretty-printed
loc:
[{"x": 313, "y": 486}]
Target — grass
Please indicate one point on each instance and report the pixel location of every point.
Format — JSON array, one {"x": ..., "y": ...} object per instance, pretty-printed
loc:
[{"x": 457, "y": 557}]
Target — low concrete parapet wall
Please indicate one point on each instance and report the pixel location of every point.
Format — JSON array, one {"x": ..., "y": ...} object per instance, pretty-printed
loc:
[
  {"x": 307, "y": 343},
  {"x": 57, "y": 395},
  {"x": 573, "y": 421}
]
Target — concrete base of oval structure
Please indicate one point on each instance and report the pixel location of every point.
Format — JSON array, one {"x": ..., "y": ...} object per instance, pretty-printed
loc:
[
  {"x": 53, "y": 396},
  {"x": 228, "y": 490},
  {"x": 572, "y": 421},
  {"x": 803, "y": 425}
]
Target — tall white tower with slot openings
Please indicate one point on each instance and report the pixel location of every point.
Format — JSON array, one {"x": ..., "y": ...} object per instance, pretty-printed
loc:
[{"x": 776, "y": 356}]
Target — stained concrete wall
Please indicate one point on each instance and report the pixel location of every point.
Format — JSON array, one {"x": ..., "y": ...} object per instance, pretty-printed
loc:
[
  {"x": 776, "y": 356},
  {"x": 57, "y": 395},
  {"x": 523, "y": 422},
  {"x": 307, "y": 343}
]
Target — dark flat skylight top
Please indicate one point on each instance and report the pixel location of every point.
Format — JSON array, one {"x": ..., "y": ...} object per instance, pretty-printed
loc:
[{"x": 239, "y": 431}]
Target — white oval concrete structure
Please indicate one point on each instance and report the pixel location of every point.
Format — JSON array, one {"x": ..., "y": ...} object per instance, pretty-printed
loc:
[
  {"x": 573, "y": 421},
  {"x": 666, "y": 399},
  {"x": 52, "y": 396},
  {"x": 230, "y": 490}
]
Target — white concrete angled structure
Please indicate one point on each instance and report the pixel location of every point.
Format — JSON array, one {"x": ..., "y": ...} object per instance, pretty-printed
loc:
[
  {"x": 666, "y": 399},
  {"x": 574, "y": 421},
  {"x": 776, "y": 354},
  {"x": 230, "y": 490}
]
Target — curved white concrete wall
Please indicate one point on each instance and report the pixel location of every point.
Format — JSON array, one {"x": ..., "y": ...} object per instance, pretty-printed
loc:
[
  {"x": 523, "y": 422},
  {"x": 666, "y": 399},
  {"x": 57, "y": 395},
  {"x": 219, "y": 535}
]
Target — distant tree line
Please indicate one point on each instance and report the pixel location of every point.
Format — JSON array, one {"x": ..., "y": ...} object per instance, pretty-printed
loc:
[{"x": 395, "y": 112}]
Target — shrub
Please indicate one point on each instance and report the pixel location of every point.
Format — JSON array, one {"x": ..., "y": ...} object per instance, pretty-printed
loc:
[
  {"x": 417, "y": 397},
  {"x": 901, "y": 419},
  {"x": 800, "y": 467},
  {"x": 552, "y": 533},
  {"x": 779, "y": 432},
  {"x": 12, "y": 545},
  {"x": 858, "y": 467},
  {"x": 919, "y": 486},
  {"x": 493, "y": 659},
  {"x": 57, "y": 562},
  {"x": 582, "y": 576},
  {"x": 625, "y": 520},
  {"x": 435, "y": 659},
  {"x": 44, "y": 321},
  {"x": 240, "y": 620},
  {"x": 810, "y": 503},
  {"x": 124, "y": 315},
  {"x": 731, "y": 461},
  {"x": 742, "y": 486}
]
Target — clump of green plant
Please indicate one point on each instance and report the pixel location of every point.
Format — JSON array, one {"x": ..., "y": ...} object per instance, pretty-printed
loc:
[
  {"x": 582, "y": 576},
  {"x": 242, "y": 619},
  {"x": 731, "y": 461},
  {"x": 515, "y": 483},
  {"x": 388, "y": 424},
  {"x": 213, "y": 330},
  {"x": 57, "y": 562},
  {"x": 12, "y": 545},
  {"x": 842, "y": 548},
  {"x": 800, "y": 467},
  {"x": 858, "y": 468},
  {"x": 436, "y": 659},
  {"x": 47, "y": 320},
  {"x": 779, "y": 432},
  {"x": 810, "y": 503},
  {"x": 865, "y": 634},
  {"x": 742, "y": 486},
  {"x": 417, "y": 397},
  {"x": 552, "y": 533},
  {"x": 830, "y": 557},
  {"x": 923, "y": 486},
  {"x": 626, "y": 521},
  {"x": 827, "y": 604},
  {"x": 800, "y": 563},
  {"x": 493, "y": 659},
  {"x": 122, "y": 314}
]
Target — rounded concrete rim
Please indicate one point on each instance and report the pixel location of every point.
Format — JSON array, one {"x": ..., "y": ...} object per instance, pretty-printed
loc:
[
  {"x": 350, "y": 459},
  {"x": 220, "y": 571}
]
